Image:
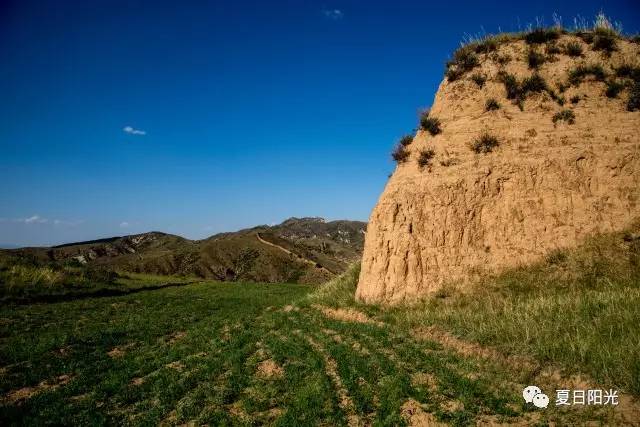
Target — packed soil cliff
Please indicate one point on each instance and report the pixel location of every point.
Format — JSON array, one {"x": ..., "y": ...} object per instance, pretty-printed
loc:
[{"x": 532, "y": 144}]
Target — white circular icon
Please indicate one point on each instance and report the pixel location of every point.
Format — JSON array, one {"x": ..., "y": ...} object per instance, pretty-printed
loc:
[
  {"x": 529, "y": 392},
  {"x": 540, "y": 400}
]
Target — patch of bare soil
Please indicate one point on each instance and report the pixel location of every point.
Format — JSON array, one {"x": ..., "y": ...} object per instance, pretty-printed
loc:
[
  {"x": 347, "y": 315},
  {"x": 177, "y": 365},
  {"x": 119, "y": 351},
  {"x": 26, "y": 393},
  {"x": 176, "y": 336},
  {"x": 137, "y": 381},
  {"x": 412, "y": 412},
  {"x": 424, "y": 379},
  {"x": 269, "y": 369}
]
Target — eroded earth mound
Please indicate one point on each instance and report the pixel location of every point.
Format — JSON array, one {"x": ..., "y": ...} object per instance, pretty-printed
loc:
[{"x": 532, "y": 144}]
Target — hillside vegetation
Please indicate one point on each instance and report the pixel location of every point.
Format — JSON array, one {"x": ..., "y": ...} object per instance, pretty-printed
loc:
[{"x": 307, "y": 250}]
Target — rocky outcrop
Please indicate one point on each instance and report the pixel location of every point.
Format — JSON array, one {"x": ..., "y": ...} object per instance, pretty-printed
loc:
[{"x": 549, "y": 184}]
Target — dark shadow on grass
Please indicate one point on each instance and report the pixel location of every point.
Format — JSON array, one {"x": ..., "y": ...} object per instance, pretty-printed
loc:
[{"x": 100, "y": 293}]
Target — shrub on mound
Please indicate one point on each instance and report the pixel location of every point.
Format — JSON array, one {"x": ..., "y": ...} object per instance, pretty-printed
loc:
[
  {"x": 406, "y": 140},
  {"x": 479, "y": 79},
  {"x": 573, "y": 49},
  {"x": 430, "y": 124},
  {"x": 564, "y": 115},
  {"x": 425, "y": 157},
  {"x": 634, "y": 98},
  {"x": 485, "y": 143},
  {"x": 578, "y": 74},
  {"x": 613, "y": 89},
  {"x": 535, "y": 59},
  {"x": 400, "y": 153},
  {"x": 542, "y": 35},
  {"x": 491, "y": 105}
]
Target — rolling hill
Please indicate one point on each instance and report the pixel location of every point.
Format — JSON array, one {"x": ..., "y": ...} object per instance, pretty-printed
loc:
[{"x": 300, "y": 250}]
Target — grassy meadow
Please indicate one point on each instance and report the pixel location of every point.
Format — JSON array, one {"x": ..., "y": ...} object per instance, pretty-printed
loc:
[{"x": 287, "y": 354}]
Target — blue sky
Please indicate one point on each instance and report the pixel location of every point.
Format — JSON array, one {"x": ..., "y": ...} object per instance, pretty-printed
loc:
[{"x": 197, "y": 117}]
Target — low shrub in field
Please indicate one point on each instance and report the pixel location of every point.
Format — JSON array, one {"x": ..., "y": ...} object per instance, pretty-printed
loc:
[
  {"x": 573, "y": 49},
  {"x": 575, "y": 99},
  {"x": 400, "y": 153},
  {"x": 491, "y": 105},
  {"x": 425, "y": 157},
  {"x": 578, "y": 74},
  {"x": 485, "y": 143},
  {"x": 613, "y": 89},
  {"x": 479, "y": 79},
  {"x": 21, "y": 276},
  {"x": 564, "y": 115},
  {"x": 430, "y": 124}
]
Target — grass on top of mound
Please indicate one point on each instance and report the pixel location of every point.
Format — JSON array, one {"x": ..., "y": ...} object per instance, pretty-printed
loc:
[{"x": 576, "y": 310}]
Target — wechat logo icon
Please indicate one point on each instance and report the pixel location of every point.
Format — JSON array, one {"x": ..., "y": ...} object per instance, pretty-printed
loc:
[{"x": 533, "y": 394}]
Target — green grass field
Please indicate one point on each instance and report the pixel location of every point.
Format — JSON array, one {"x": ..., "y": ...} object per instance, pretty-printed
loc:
[{"x": 289, "y": 354}]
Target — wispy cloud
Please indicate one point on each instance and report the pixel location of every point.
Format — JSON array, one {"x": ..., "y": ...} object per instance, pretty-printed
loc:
[
  {"x": 37, "y": 219},
  {"x": 333, "y": 14},
  {"x": 132, "y": 131},
  {"x": 124, "y": 224},
  {"x": 34, "y": 219}
]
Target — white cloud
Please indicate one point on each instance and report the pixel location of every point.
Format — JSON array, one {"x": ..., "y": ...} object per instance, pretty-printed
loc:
[
  {"x": 124, "y": 224},
  {"x": 334, "y": 14},
  {"x": 132, "y": 131},
  {"x": 34, "y": 219}
]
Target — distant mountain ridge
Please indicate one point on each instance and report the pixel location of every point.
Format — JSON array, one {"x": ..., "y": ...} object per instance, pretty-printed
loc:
[{"x": 304, "y": 250}]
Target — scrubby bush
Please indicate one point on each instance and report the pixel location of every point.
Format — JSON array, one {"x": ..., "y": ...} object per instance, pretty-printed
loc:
[
  {"x": 552, "y": 48},
  {"x": 479, "y": 79},
  {"x": 491, "y": 105},
  {"x": 400, "y": 153},
  {"x": 406, "y": 140},
  {"x": 510, "y": 84},
  {"x": 425, "y": 157},
  {"x": 634, "y": 98},
  {"x": 533, "y": 84},
  {"x": 573, "y": 49},
  {"x": 535, "y": 59},
  {"x": 485, "y": 143},
  {"x": 542, "y": 35},
  {"x": 585, "y": 36},
  {"x": 613, "y": 88},
  {"x": 500, "y": 59},
  {"x": 605, "y": 39},
  {"x": 575, "y": 99},
  {"x": 628, "y": 71},
  {"x": 430, "y": 124},
  {"x": 577, "y": 75},
  {"x": 464, "y": 59},
  {"x": 564, "y": 115}
]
